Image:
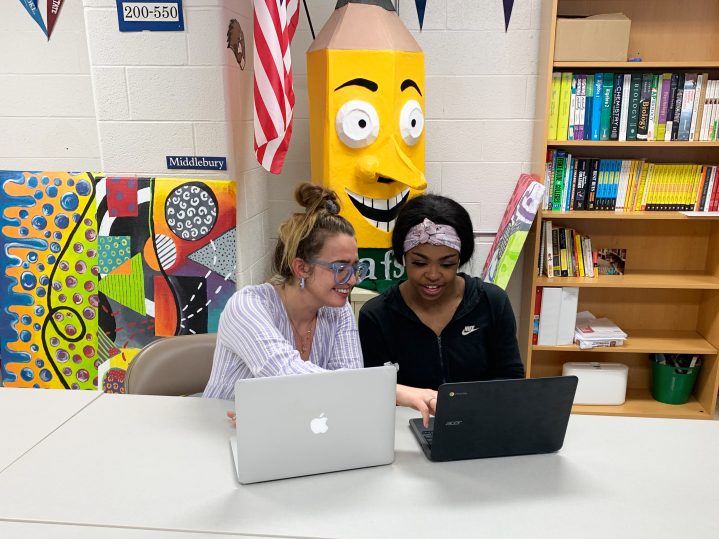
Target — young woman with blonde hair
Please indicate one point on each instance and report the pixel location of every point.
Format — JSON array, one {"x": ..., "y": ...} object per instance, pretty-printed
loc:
[{"x": 300, "y": 321}]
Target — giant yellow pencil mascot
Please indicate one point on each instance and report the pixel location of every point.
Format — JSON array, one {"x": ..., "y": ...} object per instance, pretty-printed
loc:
[{"x": 365, "y": 77}]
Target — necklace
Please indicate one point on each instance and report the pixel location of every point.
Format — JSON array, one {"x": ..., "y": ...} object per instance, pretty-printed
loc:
[{"x": 303, "y": 338}]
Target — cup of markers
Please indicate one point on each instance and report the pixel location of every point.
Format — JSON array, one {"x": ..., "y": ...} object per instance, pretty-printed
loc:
[{"x": 673, "y": 376}]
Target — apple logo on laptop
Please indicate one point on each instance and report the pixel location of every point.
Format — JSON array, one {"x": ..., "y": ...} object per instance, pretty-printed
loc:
[{"x": 319, "y": 424}]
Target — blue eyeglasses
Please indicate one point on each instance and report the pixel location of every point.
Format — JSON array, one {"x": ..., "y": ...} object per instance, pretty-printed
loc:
[{"x": 343, "y": 271}]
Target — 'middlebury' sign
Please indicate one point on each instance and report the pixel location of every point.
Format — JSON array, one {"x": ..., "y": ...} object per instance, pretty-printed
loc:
[{"x": 193, "y": 162}]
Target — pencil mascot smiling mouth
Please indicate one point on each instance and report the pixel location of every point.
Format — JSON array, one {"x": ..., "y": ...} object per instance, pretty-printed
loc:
[{"x": 366, "y": 91}]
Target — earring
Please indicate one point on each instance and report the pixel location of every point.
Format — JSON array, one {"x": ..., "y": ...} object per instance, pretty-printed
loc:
[{"x": 302, "y": 282}]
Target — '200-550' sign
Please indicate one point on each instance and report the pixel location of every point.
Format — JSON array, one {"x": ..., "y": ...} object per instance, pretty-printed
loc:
[{"x": 138, "y": 15}]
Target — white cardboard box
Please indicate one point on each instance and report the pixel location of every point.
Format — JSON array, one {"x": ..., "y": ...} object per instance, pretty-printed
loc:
[{"x": 599, "y": 383}]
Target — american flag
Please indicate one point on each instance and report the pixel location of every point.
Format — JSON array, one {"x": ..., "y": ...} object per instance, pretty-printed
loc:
[{"x": 274, "y": 26}]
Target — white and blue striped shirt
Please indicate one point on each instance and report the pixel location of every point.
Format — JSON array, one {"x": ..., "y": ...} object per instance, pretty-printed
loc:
[{"x": 255, "y": 339}]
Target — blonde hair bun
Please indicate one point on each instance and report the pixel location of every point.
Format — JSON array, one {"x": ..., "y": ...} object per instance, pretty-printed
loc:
[
  {"x": 314, "y": 198},
  {"x": 303, "y": 234}
]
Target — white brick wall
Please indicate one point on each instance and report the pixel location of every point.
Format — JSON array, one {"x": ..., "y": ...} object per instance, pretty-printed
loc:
[
  {"x": 47, "y": 116},
  {"x": 181, "y": 93},
  {"x": 123, "y": 101}
]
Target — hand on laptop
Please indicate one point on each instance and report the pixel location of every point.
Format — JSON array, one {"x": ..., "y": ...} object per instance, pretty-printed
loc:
[
  {"x": 232, "y": 417},
  {"x": 422, "y": 400}
]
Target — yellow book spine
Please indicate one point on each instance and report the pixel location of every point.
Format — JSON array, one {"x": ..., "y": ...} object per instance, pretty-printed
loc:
[
  {"x": 580, "y": 255},
  {"x": 678, "y": 180},
  {"x": 661, "y": 193},
  {"x": 641, "y": 165},
  {"x": 565, "y": 95},
  {"x": 636, "y": 205},
  {"x": 653, "y": 181},
  {"x": 688, "y": 187},
  {"x": 630, "y": 186},
  {"x": 669, "y": 187},
  {"x": 554, "y": 106},
  {"x": 646, "y": 183},
  {"x": 684, "y": 187},
  {"x": 672, "y": 186}
]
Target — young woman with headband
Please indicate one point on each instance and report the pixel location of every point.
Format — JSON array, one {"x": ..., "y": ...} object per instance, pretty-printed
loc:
[
  {"x": 300, "y": 321},
  {"x": 439, "y": 325}
]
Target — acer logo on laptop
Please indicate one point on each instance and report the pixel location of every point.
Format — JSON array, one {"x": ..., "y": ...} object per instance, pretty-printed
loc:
[{"x": 453, "y": 423}]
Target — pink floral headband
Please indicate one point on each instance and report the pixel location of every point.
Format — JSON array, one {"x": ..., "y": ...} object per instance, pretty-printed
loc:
[{"x": 429, "y": 232}]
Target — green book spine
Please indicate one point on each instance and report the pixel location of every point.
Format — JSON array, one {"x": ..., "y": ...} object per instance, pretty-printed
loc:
[
  {"x": 634, "y": 96},
  {"x": 559, "y": 173},
  {"x": 616, "y": 110},
  {"x": 652, "y": 121},
  {"x": 607, "y": 88}
]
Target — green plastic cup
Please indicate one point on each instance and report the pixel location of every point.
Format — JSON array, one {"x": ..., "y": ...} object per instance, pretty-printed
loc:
[{"x": 673, "y": 385}]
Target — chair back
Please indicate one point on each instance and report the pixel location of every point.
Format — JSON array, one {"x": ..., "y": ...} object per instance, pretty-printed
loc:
[{"x": 172, "y": 366}]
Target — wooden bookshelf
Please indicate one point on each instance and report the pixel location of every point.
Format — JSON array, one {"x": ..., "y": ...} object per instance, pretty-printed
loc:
[
  {"x": 668, "y": 299},
  {"x": 628, "y": 66},
  {"x": 646, "y": 341},
  {"x": 647, "y": 280},
  {"x": 641, "y": 404},
  {"x": 654, "y": 215},
  {"x": 634, "y": 143}
]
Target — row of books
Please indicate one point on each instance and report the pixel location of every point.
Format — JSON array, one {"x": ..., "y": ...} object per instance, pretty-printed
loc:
[
  {"x": 563, "y": 252},
  {"x": 620, "y": 185},
  {"x": 634, "y": 106}
]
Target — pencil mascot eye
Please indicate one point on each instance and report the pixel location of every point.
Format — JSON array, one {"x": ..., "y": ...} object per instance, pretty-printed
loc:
[
  {"x": 366, "y": 89},
  {"x": 357, "y": 124}
]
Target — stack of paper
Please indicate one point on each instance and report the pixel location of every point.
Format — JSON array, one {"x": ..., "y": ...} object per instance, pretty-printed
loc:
[{"x": 591, "y": 332}]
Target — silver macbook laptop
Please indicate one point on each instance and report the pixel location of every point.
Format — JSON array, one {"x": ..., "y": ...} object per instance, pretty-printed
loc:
[{"x": 288, "y": 426}]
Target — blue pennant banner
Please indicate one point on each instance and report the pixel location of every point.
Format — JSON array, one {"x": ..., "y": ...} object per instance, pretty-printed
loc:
[
  {"x": 508, "y": 5},
  {"x": 31, "y": 7},
  {"x": 421, "y": 5}
]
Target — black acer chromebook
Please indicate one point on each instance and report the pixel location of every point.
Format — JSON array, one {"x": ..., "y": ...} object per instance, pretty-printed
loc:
[{"x": 497, "y": 418}]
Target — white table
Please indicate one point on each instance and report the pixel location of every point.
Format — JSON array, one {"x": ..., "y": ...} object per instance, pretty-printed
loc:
[
  {"x": 164, "y": 463},
  {"x": 29, "y": 415},
  {"x": 33, "y": 530}
]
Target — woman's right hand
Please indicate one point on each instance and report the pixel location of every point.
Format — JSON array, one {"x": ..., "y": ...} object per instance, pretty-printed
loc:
[{"x": 422, "y": 400}]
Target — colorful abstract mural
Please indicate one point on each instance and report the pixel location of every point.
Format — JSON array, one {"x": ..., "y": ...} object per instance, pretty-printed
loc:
[{"x": 97, "y": 267}]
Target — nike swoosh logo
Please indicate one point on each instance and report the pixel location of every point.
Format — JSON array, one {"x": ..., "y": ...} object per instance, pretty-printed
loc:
[{"x": 468, "y": 330}]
